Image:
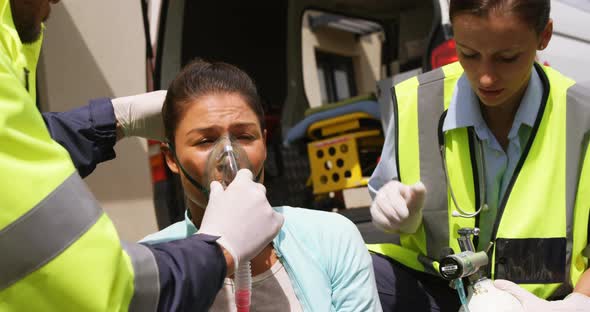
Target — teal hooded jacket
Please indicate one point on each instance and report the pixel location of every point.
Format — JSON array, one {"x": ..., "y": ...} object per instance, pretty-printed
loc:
[{"x": 324, "y": 255}]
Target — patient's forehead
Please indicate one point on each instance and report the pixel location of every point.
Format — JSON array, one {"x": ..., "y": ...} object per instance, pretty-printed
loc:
[{"x": 218, "y": 110}]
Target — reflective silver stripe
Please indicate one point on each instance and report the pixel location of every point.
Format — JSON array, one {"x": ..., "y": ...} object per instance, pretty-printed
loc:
[
  {"x": 577, "y": 129},
  {"x": 146, "y": 278},
  {"x": 45, "y": 231},
  {"x": 430, "y": 108}
]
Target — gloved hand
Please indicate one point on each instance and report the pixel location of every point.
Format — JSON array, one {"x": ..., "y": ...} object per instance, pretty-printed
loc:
[
  {"x": 241, "y": 216},
  {"x": 574, "y": 302},
  {"x": 140, "y": 115},
  {"x": 398, "y": 207},
  {"x": 485, "y": 297}
]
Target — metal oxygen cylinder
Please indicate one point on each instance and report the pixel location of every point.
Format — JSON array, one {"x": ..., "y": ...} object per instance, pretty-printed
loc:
[{"x": 485, "y": 297}]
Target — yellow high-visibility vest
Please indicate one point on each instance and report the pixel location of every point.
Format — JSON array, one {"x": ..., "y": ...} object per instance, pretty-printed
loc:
[
  {"x": 541, "y": 230},
  {"x": 58, "y": 250}
]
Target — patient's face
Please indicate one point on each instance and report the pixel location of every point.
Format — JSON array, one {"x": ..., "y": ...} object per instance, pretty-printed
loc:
[{"x": 205, "y": 120}]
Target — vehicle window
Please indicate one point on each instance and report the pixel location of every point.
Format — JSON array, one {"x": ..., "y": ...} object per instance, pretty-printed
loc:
[
  {"x": 336, "y": 77},
  {"x": 341, "y": 56}
]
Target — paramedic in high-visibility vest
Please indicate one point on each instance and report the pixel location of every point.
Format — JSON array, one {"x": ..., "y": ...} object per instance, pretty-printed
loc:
[
  {"x": 494, "y": 141},
  {"x": 58, "y": 250}
]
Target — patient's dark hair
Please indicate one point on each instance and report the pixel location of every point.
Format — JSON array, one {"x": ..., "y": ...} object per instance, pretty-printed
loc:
[
  {"x": 200, "y": 78},
  {"x": 533, "y": 12}
]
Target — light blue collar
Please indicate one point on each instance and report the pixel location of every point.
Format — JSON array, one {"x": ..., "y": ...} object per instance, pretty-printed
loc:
[
  {"x": 464, "y": 108},
  {"x": 190, "y": 227}
]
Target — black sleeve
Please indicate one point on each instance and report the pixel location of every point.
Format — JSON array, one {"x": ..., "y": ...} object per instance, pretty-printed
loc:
[
  {"x": 88, "y": 133},
  {"x": 191, "y": 272}
]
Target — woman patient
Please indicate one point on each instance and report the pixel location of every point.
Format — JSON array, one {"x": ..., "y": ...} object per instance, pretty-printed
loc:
[{"x": 318, "y": 261}]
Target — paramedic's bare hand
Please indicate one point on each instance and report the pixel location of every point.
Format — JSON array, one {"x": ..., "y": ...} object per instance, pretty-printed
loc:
[
  {"x": 242, "y": 217},
  {"x": 140, "y": 115},
  {"x": 398, "y": 207},
  {"x": 531, "y": 303}
]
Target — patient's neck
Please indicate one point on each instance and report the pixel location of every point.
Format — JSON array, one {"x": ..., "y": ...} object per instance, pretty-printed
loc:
[
  {"x": 261, "y": 263},
  {"x": 264, "y": 261}
]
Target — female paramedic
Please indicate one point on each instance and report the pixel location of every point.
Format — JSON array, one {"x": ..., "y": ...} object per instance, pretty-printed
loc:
[
  {"x": 318, "y": 261},
  {"x": 59, "y": 251},
  {"x": 494, "y": 141}
]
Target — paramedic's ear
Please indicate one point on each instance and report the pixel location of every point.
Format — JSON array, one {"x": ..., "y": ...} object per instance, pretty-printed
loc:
[
  {"x": 170, "y": 159},
  {"x": 545, "y": 36}
]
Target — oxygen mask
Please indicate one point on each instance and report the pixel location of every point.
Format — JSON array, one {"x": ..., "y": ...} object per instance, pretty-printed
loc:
[{"x": 226, "y": 158}]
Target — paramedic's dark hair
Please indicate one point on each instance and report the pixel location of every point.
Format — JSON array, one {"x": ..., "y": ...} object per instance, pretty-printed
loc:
[
  {"x": 533, "y": 12},
  {"x": 200, "y": 78}
]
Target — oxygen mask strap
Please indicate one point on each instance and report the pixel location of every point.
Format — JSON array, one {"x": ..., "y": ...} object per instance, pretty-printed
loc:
[{"x": 194, "y": 182}]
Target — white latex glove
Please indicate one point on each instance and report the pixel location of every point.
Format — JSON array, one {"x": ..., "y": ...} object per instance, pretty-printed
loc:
[
  {"x": 398, "y": 207},
  {"x": 241, "y": 216},
  {"x": 140, "y": 115},
  {"x": 531, "y": 303}
]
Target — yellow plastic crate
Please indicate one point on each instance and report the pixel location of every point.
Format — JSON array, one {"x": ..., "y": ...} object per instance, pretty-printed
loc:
[
  {"x": 334, "y": 162},
  {"x": 336, "y": 125}
]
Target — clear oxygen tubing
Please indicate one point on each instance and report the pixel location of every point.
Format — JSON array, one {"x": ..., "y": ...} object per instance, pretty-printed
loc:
[
  {"x": 461, "y": 292},
  {"x": 228, "y": 165}
]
